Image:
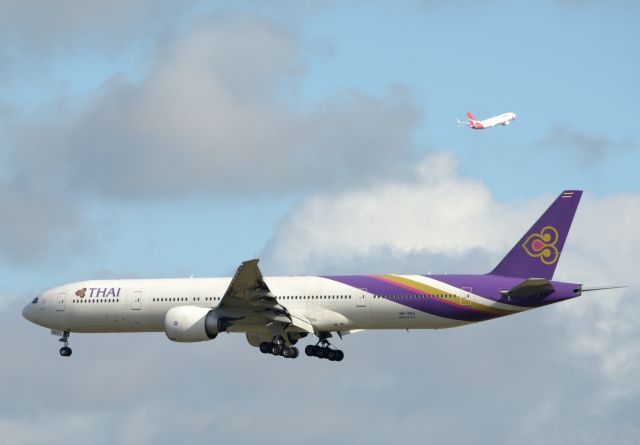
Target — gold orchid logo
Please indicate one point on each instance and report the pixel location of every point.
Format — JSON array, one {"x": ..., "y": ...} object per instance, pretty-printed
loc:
[{"x": 542, "y": 245}]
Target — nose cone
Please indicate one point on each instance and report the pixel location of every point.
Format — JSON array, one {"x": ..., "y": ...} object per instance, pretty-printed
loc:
[{"x": 26, "y": 312}]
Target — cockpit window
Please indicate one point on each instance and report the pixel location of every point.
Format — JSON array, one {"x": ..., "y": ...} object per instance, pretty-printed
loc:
[{"x": 34, "y": 301}]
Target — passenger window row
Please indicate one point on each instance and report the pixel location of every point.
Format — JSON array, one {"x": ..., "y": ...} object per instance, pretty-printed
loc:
[
  {"x": 315, "y": 297},
  {"x": 171, "y": 299},
  {"x": 288, "y": 297},
  {"x": 405, "y": 296}
]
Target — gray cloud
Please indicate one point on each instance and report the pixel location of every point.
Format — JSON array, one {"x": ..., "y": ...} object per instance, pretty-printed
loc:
[
  {"x": 217, "y": 113},
  {"x": 32, "y": 223},
  {"x": 588, "y": 148},
  {"x": 519, "y": 378},
  {"x": 40, "y": 26}
]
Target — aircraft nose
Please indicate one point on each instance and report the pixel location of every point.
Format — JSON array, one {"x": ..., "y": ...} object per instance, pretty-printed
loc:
[{"x": 27, "y": 312}]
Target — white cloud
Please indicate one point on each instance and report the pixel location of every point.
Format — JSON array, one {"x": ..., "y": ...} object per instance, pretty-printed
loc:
[
  {"x": 430, "y": 210},
  {"x": 435, "y": 214},
  {"x": 604, "y": 330},
  {"x": 435, "y": 211}
]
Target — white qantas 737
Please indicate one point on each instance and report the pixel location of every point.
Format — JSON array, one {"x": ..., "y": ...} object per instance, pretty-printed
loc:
[
  {"x": 502, "y": 119},
  {"x": 275, "y": 312}
]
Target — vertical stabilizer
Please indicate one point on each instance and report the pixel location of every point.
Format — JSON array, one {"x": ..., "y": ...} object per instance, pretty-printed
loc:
[
  {"x": 537, "y": 253},
  {"x": 473, "y": 122}
]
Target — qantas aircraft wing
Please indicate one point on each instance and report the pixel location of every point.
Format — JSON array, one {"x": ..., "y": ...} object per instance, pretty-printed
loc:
[{"x": 249, "y": 300}]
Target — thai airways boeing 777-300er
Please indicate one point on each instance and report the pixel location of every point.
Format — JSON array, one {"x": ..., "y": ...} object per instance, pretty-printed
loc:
[
  {"x": 502, "y": 119},
  {"x": 276, "y": 312}
]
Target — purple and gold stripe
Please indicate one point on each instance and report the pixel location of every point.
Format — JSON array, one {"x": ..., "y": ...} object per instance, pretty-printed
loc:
[{"x": 422, "y": 297}]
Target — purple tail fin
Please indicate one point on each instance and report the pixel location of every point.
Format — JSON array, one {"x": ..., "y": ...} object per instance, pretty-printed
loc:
[{"x": 537, "y": 253}]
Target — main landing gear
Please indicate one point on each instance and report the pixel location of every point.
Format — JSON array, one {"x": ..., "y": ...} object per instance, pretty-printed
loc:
[
  {"x": 322, "y": 349},
  {"x": 278, "y": 347},
  {"x": 65, "y": 351}
]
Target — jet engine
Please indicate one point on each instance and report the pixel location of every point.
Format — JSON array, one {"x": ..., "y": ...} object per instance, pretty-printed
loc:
[{"x": 193, "y": 323}]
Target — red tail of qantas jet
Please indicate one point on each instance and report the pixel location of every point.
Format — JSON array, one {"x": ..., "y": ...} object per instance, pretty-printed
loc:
[
  {"x": 276, "y": 312},
  {"x": 502, "y": 119}
]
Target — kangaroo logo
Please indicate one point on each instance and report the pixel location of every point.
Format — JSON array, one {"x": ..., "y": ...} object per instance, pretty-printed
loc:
[{"x": 543, "y": 245}]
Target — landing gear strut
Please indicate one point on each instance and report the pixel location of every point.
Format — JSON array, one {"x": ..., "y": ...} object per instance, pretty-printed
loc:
[
  {"x": 65, "y": 351},
  {"x": 322, "y": 349},
  {"x": 278, "y": 347}
]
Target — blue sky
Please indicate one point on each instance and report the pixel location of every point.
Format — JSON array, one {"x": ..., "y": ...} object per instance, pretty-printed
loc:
[{"x": 161, "y": 139}]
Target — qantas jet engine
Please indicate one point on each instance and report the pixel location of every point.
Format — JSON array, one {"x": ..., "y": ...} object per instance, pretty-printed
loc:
[{"x": 193, "y": 323}]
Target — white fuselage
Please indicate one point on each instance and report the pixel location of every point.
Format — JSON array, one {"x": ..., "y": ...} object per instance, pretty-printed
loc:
[
  {"x": 141, "y": 305},
  {"x": 502, "y": 119}
]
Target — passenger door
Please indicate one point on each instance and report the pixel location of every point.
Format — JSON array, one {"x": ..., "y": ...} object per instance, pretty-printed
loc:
[
  {"x": 60, "y": 297},
  {"x": 134, "y": 312},
  {"x": 136, "y": 300},
  {"x": 466, "y": 296}
]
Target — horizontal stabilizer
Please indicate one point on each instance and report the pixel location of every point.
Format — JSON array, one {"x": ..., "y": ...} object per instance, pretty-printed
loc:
[{"x": 530, "y": 287}]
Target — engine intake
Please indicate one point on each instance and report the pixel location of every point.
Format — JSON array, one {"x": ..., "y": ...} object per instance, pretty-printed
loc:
[{"x": 193, "y": 323}]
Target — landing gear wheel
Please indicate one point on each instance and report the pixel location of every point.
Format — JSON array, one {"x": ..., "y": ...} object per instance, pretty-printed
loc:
[
  {"x": 323, "y": 349},
  {"x": 276, "y": 349},
  {"x": 65, "y": 351},
  {"x": 265, "y": 347},
  {"x": 310, "y": 350},
  {"x": 286, "y": 352},
  {"x": 295, "y": 352}
]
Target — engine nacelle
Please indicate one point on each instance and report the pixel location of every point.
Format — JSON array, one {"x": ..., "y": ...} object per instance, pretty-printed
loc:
[{"x": 193, "y": 323}]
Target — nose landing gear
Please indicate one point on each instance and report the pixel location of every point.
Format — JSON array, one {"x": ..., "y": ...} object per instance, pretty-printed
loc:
[{"x": 65, "y": 351}]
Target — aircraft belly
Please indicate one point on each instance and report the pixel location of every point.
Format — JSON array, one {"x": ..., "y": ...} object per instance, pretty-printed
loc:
[{"x": 117, "y": 318}]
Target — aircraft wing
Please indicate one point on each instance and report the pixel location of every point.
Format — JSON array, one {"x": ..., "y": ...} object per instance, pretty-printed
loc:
[{"x": 248, "y": 300}]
